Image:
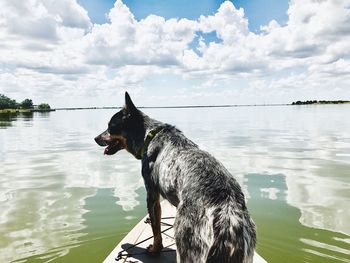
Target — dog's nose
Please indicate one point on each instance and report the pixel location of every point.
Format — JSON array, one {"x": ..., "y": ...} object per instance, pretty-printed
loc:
[{"x": 100, "y": 141}]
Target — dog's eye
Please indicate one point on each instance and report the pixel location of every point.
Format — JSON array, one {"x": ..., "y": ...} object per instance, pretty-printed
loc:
[
  {"x": 126, "y": 116},
  {"x": 114, "y": 128}
]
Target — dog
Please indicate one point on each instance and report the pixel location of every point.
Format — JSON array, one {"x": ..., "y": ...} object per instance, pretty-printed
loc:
[{"x": 212, "y": 221}]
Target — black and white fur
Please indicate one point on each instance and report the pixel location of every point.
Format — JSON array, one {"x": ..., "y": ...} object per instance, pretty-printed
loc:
[{"x": 212, "y": 221}]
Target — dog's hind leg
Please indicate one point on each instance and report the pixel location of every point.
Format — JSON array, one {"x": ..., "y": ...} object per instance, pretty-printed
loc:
[{"x": 193, "y": 234}]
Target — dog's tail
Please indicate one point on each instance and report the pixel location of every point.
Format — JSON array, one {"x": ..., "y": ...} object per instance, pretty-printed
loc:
[{"x": 234, "y": 236}]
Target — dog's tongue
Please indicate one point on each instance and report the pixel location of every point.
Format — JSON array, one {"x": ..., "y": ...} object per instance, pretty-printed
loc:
[
  {"x": 106, "y": 150},
  {"x": 112, "y": 148}
]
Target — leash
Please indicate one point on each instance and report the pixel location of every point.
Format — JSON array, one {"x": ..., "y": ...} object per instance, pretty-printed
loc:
[
  {"x": 149, "y": 138},
  {"x": 122, "y": 255}
]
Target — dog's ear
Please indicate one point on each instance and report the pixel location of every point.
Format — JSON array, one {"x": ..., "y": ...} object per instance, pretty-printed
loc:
[{"x": 129, "y": 105}]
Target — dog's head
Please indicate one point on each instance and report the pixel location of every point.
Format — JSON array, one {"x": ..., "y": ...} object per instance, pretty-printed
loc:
[{"x": 124, "y": 128}]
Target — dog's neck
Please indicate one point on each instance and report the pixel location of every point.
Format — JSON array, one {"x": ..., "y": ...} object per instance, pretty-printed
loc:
[
  {"x": 150, "y": 124},
  {"x": 138, "y": 146},
  {"x": 150, "y": 135}
]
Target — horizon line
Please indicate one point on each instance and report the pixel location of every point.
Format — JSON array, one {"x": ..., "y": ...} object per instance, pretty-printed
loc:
[
  {"x": 298, "y": 103},
  {"x": 175, "y": 106}
]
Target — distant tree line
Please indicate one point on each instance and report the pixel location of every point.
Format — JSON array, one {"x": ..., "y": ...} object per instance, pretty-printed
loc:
[
  {"x": 44, "y": 106},
  {"x": 307, "y": 102},
  {"x": 8, "y": 103}
]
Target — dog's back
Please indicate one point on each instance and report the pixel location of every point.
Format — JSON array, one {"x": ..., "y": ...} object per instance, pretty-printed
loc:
[{"x": 212, "y": 222}]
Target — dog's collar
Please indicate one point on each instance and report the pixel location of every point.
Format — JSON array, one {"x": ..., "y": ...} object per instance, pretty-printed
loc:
[{"x": 149, "y": 138}]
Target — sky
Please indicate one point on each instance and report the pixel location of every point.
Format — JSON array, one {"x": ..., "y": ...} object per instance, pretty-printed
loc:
[{"x": 81, "y": 53}]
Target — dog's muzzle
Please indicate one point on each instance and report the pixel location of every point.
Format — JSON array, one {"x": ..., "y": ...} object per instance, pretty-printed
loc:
[{"x": 113, "y": 145}]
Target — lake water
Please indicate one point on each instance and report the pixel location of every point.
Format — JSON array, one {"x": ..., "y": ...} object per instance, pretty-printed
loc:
[{"x": 62, "y": 200}]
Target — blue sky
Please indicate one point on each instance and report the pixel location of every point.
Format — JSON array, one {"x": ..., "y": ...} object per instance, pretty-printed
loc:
[
  {"x": 259, "y": 12},
  {"x": 88, "y": 53}
]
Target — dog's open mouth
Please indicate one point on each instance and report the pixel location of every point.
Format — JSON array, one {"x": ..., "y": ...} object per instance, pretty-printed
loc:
[{"x": 113, "y": 147}]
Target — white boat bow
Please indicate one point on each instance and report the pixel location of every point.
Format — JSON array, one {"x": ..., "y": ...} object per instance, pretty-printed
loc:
[{"x": 133, "y": 246}]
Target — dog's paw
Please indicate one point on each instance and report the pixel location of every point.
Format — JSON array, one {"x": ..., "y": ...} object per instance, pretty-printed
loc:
[{"x": 154, "y": 250}]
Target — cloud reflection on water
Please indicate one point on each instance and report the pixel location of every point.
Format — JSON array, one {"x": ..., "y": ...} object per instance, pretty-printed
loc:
[
  {"x": 52, "y": 166},
  {"x": 309, "y": 154}
]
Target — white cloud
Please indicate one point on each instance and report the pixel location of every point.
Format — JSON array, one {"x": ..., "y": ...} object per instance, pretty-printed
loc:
[
  {"x": 57, "y": 45},
  {"x": 39, "y": 19},
  {"x": 312, "y": 30},
  {"x": 228, "y": 22},
  {"x": 70, "y": 13},
  {"x": 36, "y": 36},
  {"x": 126, "y": 41}
]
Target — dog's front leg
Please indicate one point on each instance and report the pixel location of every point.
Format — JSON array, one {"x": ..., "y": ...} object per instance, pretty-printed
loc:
[
  {"x": 155, "y": 212},
  {"x": 153, "y": 204}
]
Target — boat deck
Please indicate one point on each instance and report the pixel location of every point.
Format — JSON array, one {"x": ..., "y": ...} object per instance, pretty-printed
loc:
[{"x": 133, "y": 246}]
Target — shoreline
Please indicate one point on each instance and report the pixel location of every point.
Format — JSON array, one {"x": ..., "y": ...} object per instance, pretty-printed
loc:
[
  {"x": 199, "y": 106},
  {"x": 24, "y": 110},
  {"x": 174, "y": 107}
]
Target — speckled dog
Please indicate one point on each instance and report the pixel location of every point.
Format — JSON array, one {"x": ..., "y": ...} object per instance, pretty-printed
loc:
[{"x": 212, "y": 221}]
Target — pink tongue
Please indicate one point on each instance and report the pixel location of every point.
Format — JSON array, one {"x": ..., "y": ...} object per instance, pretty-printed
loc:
[{"x": 106, "y": 151}]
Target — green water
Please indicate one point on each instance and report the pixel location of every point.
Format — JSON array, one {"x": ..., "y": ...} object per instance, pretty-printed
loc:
[{"x": 61, "y": 200}]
